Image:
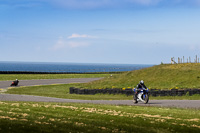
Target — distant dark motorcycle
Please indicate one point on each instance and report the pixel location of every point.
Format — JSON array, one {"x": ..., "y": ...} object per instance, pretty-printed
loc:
[{"x": 15, "y": 83}]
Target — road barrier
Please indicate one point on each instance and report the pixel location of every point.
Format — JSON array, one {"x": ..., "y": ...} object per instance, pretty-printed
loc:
[{"x": 152, "y": 92}]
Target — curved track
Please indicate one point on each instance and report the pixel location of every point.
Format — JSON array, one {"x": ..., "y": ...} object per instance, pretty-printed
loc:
[
  {"x": 161, "y": 103},
  {"x": 6, "y": 84},
  {"x": 13, "y": 97}
]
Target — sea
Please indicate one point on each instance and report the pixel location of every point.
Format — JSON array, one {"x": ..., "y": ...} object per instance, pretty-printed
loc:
[{"x": 56, "y": 67}]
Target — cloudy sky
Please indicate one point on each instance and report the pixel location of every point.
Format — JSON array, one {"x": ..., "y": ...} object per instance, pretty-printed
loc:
[{"x": 99, "y": 31}]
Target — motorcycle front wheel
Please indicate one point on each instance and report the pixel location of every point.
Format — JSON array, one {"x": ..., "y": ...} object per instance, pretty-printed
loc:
[{"x": 146, "y": 99}]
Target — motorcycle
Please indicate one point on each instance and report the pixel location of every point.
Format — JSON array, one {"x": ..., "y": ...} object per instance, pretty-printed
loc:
[
  {"x": 142, "y": 96},
  {"x": 14, "y": 83}
]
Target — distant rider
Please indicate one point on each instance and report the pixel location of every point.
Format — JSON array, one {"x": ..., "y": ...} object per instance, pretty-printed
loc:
[
  {"x": 16, "y": 82},
  {"x": 139, "y": 87}
]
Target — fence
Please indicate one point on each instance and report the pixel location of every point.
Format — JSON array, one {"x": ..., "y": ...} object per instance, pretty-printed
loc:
[
  {"x": 128, "y": 92},
  {"x": 182, "y": 60}
]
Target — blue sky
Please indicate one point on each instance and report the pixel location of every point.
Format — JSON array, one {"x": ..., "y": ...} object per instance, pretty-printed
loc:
[{"x": 99, "y": 31}]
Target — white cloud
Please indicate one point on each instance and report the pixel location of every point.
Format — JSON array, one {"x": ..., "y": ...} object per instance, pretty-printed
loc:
[
  {"x": 80, "y": 36},
  {"x": 77, "y": 44},
  {"x": 59, "y": 44},
  {"x": 66, "y": 44}
]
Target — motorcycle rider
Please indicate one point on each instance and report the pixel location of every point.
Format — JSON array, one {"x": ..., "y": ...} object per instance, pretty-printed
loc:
[
  {"x": 16, "y": 82},
  {"x": 139, "y": 87}
]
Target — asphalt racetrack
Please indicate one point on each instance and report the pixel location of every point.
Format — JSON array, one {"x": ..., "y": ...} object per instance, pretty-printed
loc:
[
  {"x": 160, "y": 103},
  {"x": 6, "y": 84}
]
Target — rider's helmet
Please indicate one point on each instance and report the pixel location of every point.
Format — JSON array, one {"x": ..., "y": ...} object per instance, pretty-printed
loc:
[
  {"x": 141, "y": 82},
  {"x": 16, "y": 79}
]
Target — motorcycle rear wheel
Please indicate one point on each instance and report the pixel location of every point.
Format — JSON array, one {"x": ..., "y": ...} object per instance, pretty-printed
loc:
[{"x": 135, "y": 100}]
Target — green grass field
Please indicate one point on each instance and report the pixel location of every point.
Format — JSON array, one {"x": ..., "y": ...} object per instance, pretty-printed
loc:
[
  {"x": 4, "y": 77},
  {"x": 165, "y": 76},
  {"x": 34, "y": 117},
  {"x": 73, "y": 117}
]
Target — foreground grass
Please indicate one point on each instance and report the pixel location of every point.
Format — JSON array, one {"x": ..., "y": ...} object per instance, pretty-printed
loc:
[
  {"x": 4, "y": 77},
  {"x": 62, "y": 91},
  {"x": 159, "y": 77},
  {"x": 30, "y": 117}
]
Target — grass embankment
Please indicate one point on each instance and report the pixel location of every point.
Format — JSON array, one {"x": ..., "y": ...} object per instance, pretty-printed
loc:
[
  {"x": 159, "y": 77},
  {"x": 4, "y": 77},
  {"x": 26, "y": 117}
]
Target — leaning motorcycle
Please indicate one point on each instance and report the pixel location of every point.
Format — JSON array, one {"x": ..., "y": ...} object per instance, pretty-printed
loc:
[
  {"x": 14, "y": 83},
  {"x": 142, "y": 96}
]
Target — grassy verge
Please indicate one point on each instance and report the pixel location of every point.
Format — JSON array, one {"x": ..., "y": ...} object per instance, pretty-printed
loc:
[
  {"x": 4, "y": 77},
  {"x": 30, "y": 117},
  {"x": 62, "y": 91},
  {"x": 159, "y": 77}
]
